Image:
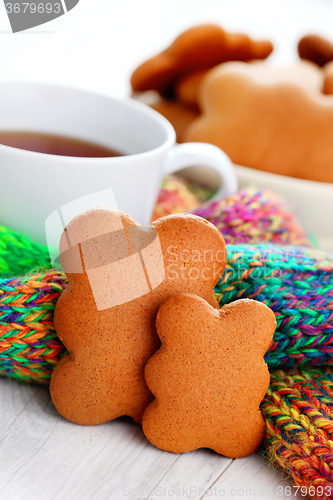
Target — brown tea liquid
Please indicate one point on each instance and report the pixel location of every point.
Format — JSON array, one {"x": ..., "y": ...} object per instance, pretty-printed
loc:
[{"x": 56, "y": 145}]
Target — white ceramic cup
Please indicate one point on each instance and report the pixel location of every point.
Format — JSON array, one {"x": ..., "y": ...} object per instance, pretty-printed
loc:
[{"x": 33, "y": 185}]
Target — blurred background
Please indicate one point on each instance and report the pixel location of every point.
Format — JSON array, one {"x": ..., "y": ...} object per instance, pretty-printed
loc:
[{"x": 98, "y": 43}]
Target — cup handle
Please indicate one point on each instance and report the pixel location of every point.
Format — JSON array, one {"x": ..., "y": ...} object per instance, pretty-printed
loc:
[{"x": 196, "y": 153}]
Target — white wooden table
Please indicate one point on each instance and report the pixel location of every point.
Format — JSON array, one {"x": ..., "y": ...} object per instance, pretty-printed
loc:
[
  {"x": 96, "y": 46},
  {"x": 45, "y": 457}
]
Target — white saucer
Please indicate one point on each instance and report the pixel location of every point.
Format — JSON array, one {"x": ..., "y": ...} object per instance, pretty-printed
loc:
[{"x": 311, "y": 201}]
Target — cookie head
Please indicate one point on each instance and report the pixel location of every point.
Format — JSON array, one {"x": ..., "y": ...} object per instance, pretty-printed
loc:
[
  {"x": 266, "y": 122},
  {"x": 209, "y": 376},
  {"x": 316, "y": 49}
]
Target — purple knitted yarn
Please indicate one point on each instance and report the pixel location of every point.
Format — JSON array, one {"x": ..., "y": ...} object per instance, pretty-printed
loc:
[{"x": 254, "y": 216}]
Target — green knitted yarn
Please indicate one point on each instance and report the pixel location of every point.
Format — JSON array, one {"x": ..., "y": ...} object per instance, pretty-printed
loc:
[
  {"x": 29, "y": 346},
  {"x": 19, "y": 255}
]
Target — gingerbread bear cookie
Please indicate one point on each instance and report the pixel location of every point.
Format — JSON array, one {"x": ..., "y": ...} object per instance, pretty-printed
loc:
[
  {"x": 209, "y": 376},
  {"x": 182, "y": 111},
  {"x": 119, "y": 273},
  {"x": 304, "y": 73},
  {"x": 200, "y": 47},
  {"x": 276, "y": 126},
  {"x": 316, "y": 49}
]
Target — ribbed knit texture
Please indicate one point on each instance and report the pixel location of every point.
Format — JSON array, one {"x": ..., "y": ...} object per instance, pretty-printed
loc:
[
  {"x": 297, "y": 283},
  {"x": 18, "y": 255},
  {"x": 254, "y": 216},
  {"x": 29, "y": 346},
  {"x": 298, "y": 412}
]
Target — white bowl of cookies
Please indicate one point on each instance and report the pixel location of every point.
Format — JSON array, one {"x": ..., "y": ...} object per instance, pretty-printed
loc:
[{"x": 275, "y": 123}]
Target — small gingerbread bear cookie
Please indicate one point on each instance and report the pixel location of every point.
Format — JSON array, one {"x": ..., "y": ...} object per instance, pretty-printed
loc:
[
  {"x": 119, "y": 273},
  {"x": 209, "y": 376}
]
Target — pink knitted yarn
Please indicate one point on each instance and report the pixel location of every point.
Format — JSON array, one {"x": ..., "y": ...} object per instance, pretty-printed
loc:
[
  {"x": 179, "y": 195},
  {"x": 254, "y": 216}
]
